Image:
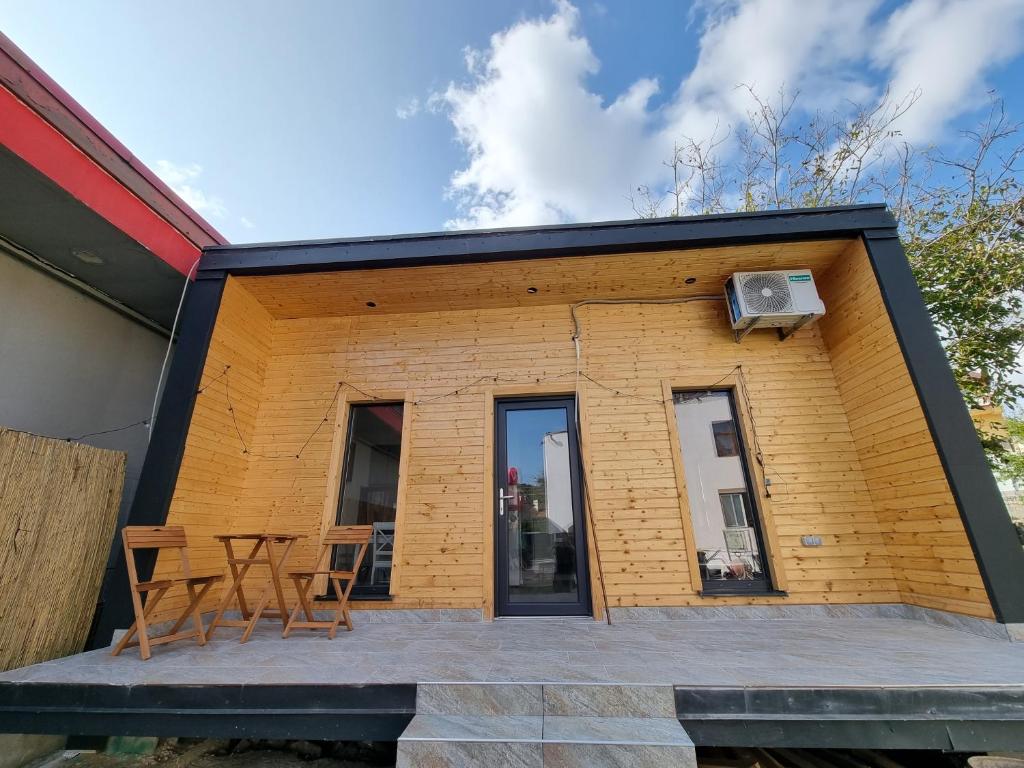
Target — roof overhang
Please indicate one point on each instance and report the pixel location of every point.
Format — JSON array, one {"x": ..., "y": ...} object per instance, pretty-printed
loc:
[
  {"x": 549, "y": 241},
  {"x": 69, "y": 185}
]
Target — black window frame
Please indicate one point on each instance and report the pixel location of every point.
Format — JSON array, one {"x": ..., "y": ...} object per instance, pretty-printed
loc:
[
  {"x": 362, "y": 591},
  {"x": 762, "y": 585}
]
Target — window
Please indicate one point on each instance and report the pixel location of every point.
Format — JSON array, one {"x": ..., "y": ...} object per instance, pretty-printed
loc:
[
  {"x": 369, "y": 491},
  {"x": 726, "y": 530},
  {"x": 733, "y": 509},
  {"x": 726, "y": 443}
]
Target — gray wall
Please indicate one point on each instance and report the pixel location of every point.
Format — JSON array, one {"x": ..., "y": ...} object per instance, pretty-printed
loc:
[{"x": 70, "y": 365}]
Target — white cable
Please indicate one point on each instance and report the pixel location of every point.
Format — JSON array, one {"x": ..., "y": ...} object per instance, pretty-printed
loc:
[
  {"x": 576, "y": 333},
  {"x": 679, "y": 300},
  {"x": 167, "y": 352}
]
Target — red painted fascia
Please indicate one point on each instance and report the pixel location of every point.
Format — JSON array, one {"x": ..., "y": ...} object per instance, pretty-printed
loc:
[
  {"x": 28, "y": 82},
  {"x": 39, "y": 144}
]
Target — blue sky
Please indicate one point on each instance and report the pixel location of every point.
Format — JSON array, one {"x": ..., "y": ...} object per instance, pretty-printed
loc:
[{"x": 317, "y": 119}]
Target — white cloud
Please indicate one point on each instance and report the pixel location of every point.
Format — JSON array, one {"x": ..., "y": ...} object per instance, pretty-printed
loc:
[
  {"x": 944, "y": 47},
  {"x": 246, "y": 223},
  {"x": 410, "y": 109},
  {"x": 182, "y": 179},
  {"x": 802, "y": 46},
  {"x": 542, "y": 147}
]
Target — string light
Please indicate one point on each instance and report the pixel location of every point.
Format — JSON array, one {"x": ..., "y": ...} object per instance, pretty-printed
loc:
[
  {"x": 107, "y": 431},
  {"x": 223, "y": 376}
]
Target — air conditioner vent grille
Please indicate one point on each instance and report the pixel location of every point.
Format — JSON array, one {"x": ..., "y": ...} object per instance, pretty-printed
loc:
[{"x": 766, "y": 292}]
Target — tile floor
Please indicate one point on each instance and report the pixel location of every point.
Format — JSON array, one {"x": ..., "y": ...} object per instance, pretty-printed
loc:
[{"x": 714, "y": 652}]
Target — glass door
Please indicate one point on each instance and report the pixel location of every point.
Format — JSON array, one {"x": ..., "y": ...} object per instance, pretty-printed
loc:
[{"x": 540, "y": 542}]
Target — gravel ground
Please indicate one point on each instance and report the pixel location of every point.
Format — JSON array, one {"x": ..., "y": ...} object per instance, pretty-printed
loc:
[{"x": 182, "y": 753}]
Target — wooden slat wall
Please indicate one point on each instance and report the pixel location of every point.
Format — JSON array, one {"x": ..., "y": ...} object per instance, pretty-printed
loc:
[
  {"x": 819, "y": 487},
  {"x": 430, "y": 353},
  {"x": 211, "y": 483},
  {"x": 283, "y": 493},
  {"x": 931, "y": 557},
  {"x": 810, "y": 403}
]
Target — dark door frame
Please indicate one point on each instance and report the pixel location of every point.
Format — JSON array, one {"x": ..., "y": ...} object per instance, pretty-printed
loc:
[{"x": 502, "y": 605}]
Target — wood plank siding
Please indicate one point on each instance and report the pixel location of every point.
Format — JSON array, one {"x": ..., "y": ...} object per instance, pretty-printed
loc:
[
  {"x": 844, "y": 443},
  {"x": 210, "y": 495},
  {"x": 931, "y": 556}
]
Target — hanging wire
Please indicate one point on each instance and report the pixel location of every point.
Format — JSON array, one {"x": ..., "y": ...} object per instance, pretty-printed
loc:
[
  {"x": 140, "y": 422},
  {"x": 464, "y": 387},
  {"x": 576, "y": 334},
  {"x": 579, "y": 373},
  {"x": 324, "y": 420},
  {"x": 224, "y": 376},
  {"x": 619, "y": 392},
  {"x": 214, "y": 380},
  {"x": 170, "y": 343},
  {"x": 758, "y": 453},
  {"x": 495, "y": 379},
  {"x": 744, "y": 392},
  {"x": 357, "y": 389},
  {"x": 245, "y": 448},
  {"x": 106, "y": 431}
]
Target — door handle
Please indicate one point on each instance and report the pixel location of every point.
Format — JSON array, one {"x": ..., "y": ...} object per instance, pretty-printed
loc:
[{"x": 501, "y": 501}]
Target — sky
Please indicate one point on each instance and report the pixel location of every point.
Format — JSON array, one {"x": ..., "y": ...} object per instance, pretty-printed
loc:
[{"x": 284, "y": 121}]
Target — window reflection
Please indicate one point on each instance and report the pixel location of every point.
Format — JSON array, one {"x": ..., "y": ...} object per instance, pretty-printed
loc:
[
  {"x": 369, "y": 491},
  {"x": 724, "y": 520},
  {"x": 540, "y": 515}
]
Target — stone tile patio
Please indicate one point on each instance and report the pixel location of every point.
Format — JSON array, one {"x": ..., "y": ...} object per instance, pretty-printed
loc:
[{"x": 826, "y": 652}]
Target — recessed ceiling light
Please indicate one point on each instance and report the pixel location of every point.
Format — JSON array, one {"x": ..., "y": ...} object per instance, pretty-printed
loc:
[
  {"x": 531, "y": 289},
  {"x": 690, "y": 280},
  {"x": 86, "y": 257},
  {"x": 371, "y": 304}
]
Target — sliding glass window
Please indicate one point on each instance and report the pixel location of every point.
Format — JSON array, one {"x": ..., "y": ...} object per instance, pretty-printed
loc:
[
  {"x": 726, "y": 528},
  {"x": 369, "y": 491}
]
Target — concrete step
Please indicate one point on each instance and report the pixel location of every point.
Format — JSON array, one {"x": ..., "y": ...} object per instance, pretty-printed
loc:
[
  {"x": 480, "y": 699},
  {"x": 460, "y": 725},
  {"x": 579, "y": 700},
  {"x": 637, "y": 742},
  {"x": 462, "y": 741},
  {"x": 536, "y": 699}
]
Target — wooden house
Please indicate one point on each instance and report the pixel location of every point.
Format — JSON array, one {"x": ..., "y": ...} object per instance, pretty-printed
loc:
[{"x": 563, "y": 421}]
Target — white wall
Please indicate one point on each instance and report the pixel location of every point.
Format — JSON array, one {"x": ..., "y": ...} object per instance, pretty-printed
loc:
[
  {"x": 707, "y": 473},
  {"x": 70, "y": 365},
  {"x": 558, "y": 479}
]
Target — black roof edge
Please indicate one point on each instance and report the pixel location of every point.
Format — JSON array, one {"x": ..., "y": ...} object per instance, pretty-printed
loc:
[{"x": 465, "y": 246}]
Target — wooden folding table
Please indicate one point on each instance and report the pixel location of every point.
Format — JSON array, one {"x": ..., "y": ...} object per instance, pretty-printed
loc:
[{"x": 269, "y": 549}]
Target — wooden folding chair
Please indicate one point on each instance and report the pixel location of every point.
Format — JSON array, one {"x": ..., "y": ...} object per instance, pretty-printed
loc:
[
  {"x": 137, "y": 537},
  {"x": 356, "y": 535}
]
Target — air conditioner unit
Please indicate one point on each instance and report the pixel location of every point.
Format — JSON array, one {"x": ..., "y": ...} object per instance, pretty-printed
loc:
[{"x": 783, "y": 299}]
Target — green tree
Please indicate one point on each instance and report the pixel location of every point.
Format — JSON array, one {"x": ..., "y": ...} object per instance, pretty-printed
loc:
[{"x": 1009, "y": 463}]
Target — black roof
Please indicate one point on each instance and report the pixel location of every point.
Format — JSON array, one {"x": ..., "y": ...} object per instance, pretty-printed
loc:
[{"x": 481, "y": 245}]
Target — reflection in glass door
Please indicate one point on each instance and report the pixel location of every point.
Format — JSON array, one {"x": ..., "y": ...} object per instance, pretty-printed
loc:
[{"x": 540, "y": 554}]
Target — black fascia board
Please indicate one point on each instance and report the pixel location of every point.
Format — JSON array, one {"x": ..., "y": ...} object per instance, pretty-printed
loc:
[
  {"x": 371, "y": 712},
  {"x": 164, "y": 454},
  {"x": 548, "y": 241}
]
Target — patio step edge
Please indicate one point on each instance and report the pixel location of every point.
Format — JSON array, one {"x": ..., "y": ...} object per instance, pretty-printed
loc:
[{"x": 535, "y": 741}]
